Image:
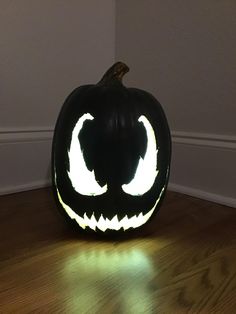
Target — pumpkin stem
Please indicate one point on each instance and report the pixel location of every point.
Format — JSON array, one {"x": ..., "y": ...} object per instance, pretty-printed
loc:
[{"x": 115, "y": 72}]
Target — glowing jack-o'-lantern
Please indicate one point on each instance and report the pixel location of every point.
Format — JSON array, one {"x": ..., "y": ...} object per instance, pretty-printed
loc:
[{"x": 111, "y": 155}]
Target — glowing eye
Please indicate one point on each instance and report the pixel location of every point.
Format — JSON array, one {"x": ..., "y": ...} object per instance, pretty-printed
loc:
[
  {"x": 146, "y": 171},
  {"x": 82, "y": 180}
]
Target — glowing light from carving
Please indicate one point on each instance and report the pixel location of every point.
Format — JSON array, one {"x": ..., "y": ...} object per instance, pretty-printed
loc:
[
  {"x": 118, "y": 267},
  {"x": 147, "y": 168},
  {"x": 104, "y": 223},
  {"x": 82, "y": 180}
]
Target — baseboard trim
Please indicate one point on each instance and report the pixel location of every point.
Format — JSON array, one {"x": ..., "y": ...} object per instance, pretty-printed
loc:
[
  {"x": 224, "y": 200},
  {"x": 216, "y": 198},
  {"x": 204, "y": 139},
  {"x": 15, "y": 135},
  {"x": 25, "y": 187},
  {"x": 25, "y": 135}
]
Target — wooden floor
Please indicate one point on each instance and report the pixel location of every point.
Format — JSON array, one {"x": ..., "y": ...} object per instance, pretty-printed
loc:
[{"x": 184, "y": 263}]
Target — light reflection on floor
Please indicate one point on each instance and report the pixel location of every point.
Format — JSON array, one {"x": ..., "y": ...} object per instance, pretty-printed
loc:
[{"x": 97, "y": 277}]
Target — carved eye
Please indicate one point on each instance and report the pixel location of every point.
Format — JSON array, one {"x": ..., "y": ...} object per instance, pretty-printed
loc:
[
  {"x": 146, "y": 171},
  {"x": 82, "y": 179}
]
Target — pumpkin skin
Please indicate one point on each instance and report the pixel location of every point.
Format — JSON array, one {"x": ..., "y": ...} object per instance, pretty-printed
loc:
[{"x": 110, "y": 155}]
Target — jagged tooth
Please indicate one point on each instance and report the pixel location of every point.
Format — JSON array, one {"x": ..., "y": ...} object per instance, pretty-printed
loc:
[
  {"x": 114, "y": 223},
  {"x": 101, "y": 224},
  {"x": 86, "y": 220},
  {"x": 80, "y": 221},
  {"x": 125, "y": 223},
  {"x": 108, "y": 223},
  {"x": 132, "y": 221},
  {"x": 135, "y": 221},
  {"x": 93, "y": 222},
  {"x": 140, "y": 219},
  {"x": 90, "y": 222},
  {"x": 140, "y": 215}
]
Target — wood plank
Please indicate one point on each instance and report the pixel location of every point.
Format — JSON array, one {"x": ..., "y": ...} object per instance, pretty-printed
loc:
[{"x": 184, "y": 262}]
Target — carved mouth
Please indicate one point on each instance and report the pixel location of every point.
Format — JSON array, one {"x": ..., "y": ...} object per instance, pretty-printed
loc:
[{"x": 104, "y": 223}]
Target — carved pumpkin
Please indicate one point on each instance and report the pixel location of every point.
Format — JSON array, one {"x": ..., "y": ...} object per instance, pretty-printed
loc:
[{"x": 111, "y": 155}]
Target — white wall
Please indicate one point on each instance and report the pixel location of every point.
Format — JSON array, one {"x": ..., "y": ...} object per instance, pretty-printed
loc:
[
  {"x": 184, "y": 53},
  {"x": 47, "y": 48},
  {"x": 181, "y": 51}
]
